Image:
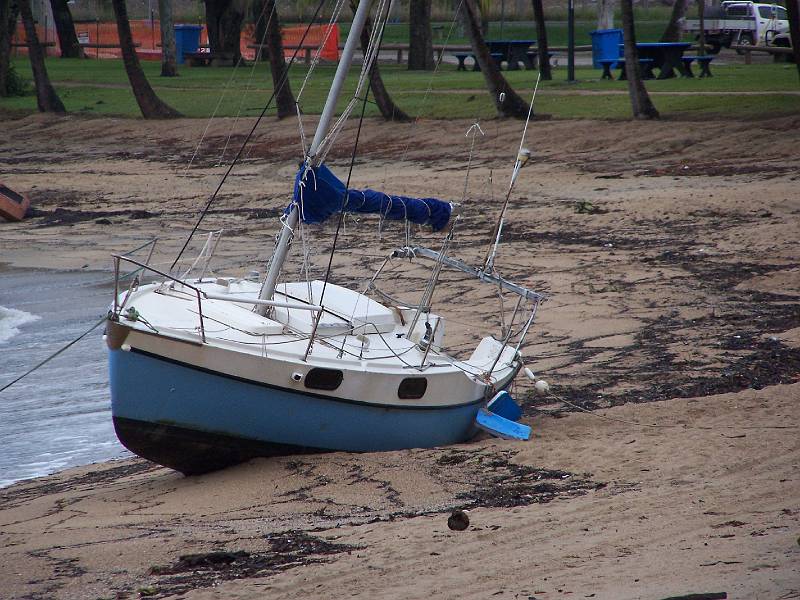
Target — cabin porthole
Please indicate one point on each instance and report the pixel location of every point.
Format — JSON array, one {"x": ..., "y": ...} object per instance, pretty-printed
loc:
[
  {"x": 412, "y": 388},
  {"x": 323, "y": 379}
]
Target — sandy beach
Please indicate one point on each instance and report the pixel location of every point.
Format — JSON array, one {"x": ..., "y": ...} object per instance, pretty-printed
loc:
[{"x": 665, "y": 462}]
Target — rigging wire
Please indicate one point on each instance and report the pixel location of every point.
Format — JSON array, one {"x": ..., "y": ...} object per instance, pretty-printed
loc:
[
  {"x": 370, "y": 56},
  {"x": 235, "y": 160},
  {"x": 355, "y": 150},
  {"x": 337, "y": 9},
  {"x": 488, "y": 264},
  {"x": 243, "y": 97}
]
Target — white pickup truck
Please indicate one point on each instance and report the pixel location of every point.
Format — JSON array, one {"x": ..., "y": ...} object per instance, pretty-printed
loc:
[{"x": 743, "y": 23}]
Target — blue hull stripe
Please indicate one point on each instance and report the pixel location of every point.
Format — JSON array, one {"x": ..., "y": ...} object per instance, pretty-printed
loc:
[{"x": 154, "y": 390}]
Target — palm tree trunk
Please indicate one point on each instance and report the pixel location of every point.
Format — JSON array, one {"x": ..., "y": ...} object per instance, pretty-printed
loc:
[
  {"x": 640, "y": 100},
  {"x": 420, "y": 36},
  {"x": 169, "y": 59},
  {"x": 8, "y": 23},
  {"x": 541, "y": 40},
  {"x": 672, "y": 32},
  {"x": 266, "y": 16},
  {"x": 793, "y": 10},
  {"x": 46, "y": 98},
  {"x": 388, "y": 109},
  {"x": 152, "y": 106},
  {"x": 507, "y": 101},
  {"x": 65, "y": 28},
  {"x": 224, "y": 22},
  {"x": 605, "y": 14},
  {"x": 701, "y": 38}
]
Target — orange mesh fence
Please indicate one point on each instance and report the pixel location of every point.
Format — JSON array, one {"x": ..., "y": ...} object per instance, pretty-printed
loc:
[
  {"x": 46, "y": 36},
  {"x": 316, "y": 36},
  {"x": 147, "y": 34}
]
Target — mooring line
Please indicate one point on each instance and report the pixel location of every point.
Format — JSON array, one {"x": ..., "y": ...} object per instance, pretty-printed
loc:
[{"x": 52, "y": 356}]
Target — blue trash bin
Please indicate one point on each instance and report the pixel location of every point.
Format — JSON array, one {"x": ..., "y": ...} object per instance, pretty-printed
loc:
[
  {"x": 605, "y": 45},
  {"x": 187, "y": 39}
]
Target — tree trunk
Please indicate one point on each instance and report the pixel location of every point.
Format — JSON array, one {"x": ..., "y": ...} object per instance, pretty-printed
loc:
[
  {"x": 640, "y": 100},
  {"x": 701, "y": 38},
  {"x": 673, "y": 30},
  {"x": 46, "y": 98},
  {"x": 268, "y": 30},
  {"x": 793, "y": 10},
  {"x": 8, "y": 23},
  {"x": 541, "y": 40},
  {"x": 389, "y": 110},
  {"x": 169, "y": 59},
  {"x": 509, "y": 105},
  {"x": 420, "y": 48},
  {"x": 483, "y": 7},
  {"x": 65, "y": 28},
  {"x": 605, "y": 14},
  {"x": 224, "y": 23},
  {"x": 151, "y": 106}
]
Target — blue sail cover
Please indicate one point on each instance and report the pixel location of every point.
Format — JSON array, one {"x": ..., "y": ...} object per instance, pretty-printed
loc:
[{"x": 319, "y": 194}]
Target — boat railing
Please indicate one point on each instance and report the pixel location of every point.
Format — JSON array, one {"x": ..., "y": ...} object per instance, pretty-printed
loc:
[
  {"x": 199, "y": 294},
  {"x": 118, "y": 258}
]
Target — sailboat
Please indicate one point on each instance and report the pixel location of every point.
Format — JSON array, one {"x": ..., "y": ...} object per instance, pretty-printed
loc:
[{"x": 207, "y": 371}]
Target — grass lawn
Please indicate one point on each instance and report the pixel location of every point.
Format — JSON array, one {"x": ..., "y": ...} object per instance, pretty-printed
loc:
[
  {"x": 646, "y": 30},
  {"x": 101, "y": 88}
]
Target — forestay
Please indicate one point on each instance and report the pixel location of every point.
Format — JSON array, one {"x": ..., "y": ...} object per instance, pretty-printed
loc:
[{"x": 318, "y": 193}]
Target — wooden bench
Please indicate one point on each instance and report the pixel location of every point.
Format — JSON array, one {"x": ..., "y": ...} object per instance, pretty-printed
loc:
[
  {"x": 779, "y": 53},
  {"x": 25, "y": 44},
  {"x": 205, "y": 59}
]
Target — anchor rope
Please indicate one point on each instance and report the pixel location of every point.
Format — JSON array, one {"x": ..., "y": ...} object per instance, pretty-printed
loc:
[{"x": 54, "y": 354}]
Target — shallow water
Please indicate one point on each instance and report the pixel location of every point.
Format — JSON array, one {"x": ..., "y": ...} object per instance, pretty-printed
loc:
[{"x": 60, "y": 415}]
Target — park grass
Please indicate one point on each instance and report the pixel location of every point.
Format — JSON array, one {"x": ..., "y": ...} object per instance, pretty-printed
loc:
[
  {"x": 452, "y": 33},
  {"x": 93, "y": 87}
]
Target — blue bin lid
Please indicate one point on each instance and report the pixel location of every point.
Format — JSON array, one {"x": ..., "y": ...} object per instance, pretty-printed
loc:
[
  {"x": 605, "y": 31},
  {"x": 188, "y": 26}
]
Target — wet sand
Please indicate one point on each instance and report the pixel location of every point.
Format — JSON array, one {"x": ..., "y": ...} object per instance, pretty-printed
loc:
[{"x": 674, "y": 273}]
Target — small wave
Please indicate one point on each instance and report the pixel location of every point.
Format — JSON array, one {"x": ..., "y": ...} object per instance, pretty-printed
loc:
[{"x": 11, "y": 320}]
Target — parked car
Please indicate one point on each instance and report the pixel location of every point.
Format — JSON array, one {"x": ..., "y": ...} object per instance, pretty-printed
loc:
[{"x": 742, "y": 23}]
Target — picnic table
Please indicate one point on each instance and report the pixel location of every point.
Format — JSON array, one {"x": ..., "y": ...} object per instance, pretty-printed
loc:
[
  {"x": 513, "y": 52},
  {"x": 666, "y": 56}
]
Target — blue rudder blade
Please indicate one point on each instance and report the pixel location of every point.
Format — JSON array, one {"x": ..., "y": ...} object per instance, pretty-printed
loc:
[
  {"x": 501, "y": 427},
  {"x": 503, "y": 404}
]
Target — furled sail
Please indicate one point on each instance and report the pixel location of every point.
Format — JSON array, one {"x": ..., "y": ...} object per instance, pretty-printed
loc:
[{"x": 318, "y": 193}]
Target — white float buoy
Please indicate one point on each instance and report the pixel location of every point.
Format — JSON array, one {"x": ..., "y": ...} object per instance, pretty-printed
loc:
[
  {"x": 529, "y": 374},
  {"x": 541, "y": 386}
]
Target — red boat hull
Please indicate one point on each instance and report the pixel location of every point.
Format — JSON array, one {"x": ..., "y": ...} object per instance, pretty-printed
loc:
[{"x": 13, "y": 205}]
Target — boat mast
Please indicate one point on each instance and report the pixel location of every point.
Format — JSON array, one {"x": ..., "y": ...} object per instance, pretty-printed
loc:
[{"x": 328, "y": 112}]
